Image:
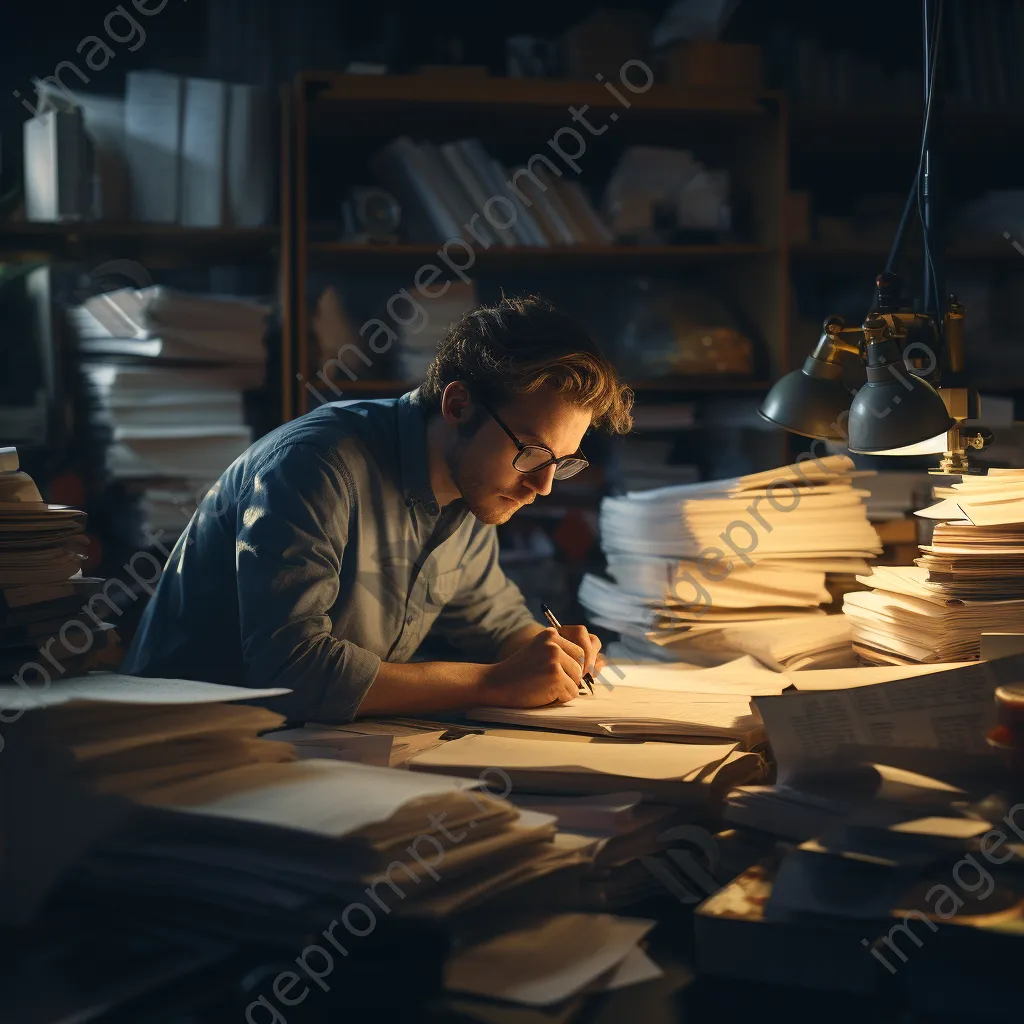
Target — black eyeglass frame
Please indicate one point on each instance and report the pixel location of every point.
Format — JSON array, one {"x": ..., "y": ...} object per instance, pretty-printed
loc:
[{"x": 557, "y": 461}]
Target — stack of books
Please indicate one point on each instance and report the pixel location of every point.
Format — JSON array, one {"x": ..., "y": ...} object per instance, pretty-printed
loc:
[
  {"x": 48, "y": 623},
  {"x": 708, "y": 572},
  {"x": 459, "y": 191},
  {"x": 166, "y": 372},
  {"x": 969, "y": 580}
]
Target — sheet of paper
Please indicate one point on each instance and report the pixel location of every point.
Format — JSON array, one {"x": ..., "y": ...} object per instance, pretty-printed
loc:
[
  {"x": 744, "y": 676},
  {"x": 633, "y": 710},
  {"x": 304, "y": 795},
  {"x": 112, "y": 686},
  {"x": 630, "y": 760},
  {"x": 850, "y": 678},
  {"x": 638, "y": 967},
  {"x": 948, "y": 711},
  {"x": 544, "y": 964},
  {"x": 943, "y": 828},
  {"x": 320, "y": 743}
]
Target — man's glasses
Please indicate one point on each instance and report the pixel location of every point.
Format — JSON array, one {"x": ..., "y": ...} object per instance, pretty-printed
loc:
[{"x": 531, "y": 458}]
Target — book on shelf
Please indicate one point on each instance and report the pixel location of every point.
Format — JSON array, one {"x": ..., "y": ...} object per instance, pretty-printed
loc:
[
  {"x": 448, "y": 186},
  {"x": 203, "y": 152},
  {"x": 478, "y": 192},
  {"x": 154, "y": 106},
  {"x": 249, "y": 178},
  {"x": 425, "y": 216}
]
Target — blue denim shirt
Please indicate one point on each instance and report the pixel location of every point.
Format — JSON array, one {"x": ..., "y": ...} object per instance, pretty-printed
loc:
[{"x": 321, "y": 552}]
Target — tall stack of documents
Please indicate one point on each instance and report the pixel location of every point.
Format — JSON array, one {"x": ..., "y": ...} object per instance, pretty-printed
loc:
[
  {"x": 166, "y": 374},
  {"x": 42, "y": 549},
  {"x": 706, "y": 572},
  {"x": 969, "y": 580}
]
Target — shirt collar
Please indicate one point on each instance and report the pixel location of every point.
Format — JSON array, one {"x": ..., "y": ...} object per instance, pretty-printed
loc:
[{"x": 412, "y": 453}]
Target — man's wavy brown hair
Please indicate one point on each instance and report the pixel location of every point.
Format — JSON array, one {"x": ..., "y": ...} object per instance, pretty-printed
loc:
[{"x": 522, "y": 344}]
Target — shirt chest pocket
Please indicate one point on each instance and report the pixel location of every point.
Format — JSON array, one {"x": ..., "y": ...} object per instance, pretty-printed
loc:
[{"x": 442, "y": 588}]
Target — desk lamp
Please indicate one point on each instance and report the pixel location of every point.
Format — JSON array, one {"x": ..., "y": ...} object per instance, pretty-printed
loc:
[{"x": 898, "y": 410}]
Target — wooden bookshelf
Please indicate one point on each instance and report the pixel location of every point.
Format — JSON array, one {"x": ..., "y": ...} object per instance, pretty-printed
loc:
[
  {"x": 499, "y": 95},
  {"x": 357, "y": 115}
]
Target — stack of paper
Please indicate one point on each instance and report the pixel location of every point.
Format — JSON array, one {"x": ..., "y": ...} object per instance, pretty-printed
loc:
[
  {"x": 166, "y": 373},
  {"x": 226, "y": 829},
  {"x": 617, "y": 802},
  {"x": 42, "y": 549},
  {"x": 684, "y": 774},
  {"x": 709, "y": 570},
  {"x": 968, "y": 581}
]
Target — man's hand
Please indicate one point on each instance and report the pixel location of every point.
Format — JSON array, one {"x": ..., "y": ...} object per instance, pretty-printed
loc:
[
  {"x": 546, "y": 670},
  {"x": 590, "y": 644}
]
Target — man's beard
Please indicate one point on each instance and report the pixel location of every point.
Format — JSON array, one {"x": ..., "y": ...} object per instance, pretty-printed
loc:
[{"x": 479, "y": 495}]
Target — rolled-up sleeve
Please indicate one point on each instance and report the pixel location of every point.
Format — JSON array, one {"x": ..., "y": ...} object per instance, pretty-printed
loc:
[
  {"x": 290, "y": 533},
  {"x": 488, "y": 607}
]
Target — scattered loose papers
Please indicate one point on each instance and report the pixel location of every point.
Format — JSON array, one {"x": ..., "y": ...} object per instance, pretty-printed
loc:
[
  {"x": 697, "y": 567},
  {"x": 677, "y": 773},
  {"x": 948, "y": 711}
]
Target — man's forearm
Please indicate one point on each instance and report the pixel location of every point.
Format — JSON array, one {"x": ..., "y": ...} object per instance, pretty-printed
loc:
[
  {"x": 520, "y": 638},
  {"x": 422, "y": 687}
]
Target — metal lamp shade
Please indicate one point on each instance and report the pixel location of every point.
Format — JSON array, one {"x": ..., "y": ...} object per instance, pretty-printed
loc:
[
  {"x": 811, "y": 401},
  {"x": 894, "y": 408}
]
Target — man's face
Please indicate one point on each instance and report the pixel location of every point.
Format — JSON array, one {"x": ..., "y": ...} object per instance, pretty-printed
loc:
[{"x": 481, "y": 466}]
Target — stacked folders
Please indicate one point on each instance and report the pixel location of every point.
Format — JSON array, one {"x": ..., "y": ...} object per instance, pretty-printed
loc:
[
  {"x": 42, "y": 591},
  {"x": 968, "y": 581},
  {"x": 166, "y": 374},
  {"x": 708, "y": 572}
]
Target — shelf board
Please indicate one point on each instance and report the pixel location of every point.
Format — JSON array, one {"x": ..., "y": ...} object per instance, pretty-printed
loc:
[
  {"x": 156, "y": 241},
  {"x": 527, "y": 257},
  {"x": 539, "y": 94},
  {"x": 676, "y": 386},
  {"x": 998, "y": 252}
]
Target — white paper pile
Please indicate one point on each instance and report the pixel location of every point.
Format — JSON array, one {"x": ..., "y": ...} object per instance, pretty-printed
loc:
[
  {"x": 165, "y": 373},
  {"x": 968, "y": 581},
  {"x": 707, "y": 572},
  {"x": 229, "y": 829}
]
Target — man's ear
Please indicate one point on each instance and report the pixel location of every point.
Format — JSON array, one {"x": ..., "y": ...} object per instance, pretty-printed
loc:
[{"x": 456, "y": 404}]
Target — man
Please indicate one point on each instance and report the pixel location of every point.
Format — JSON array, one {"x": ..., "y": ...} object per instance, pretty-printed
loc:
[{"x": 326, "y": 552}]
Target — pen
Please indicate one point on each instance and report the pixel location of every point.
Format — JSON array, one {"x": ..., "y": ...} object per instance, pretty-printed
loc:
[{"x": 588, "y": 679}]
